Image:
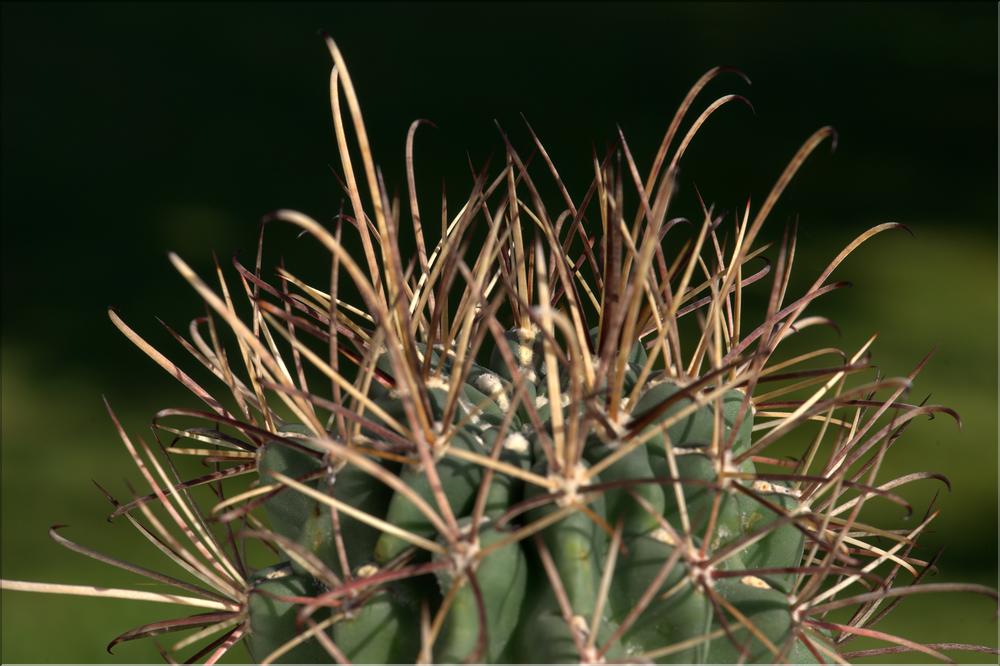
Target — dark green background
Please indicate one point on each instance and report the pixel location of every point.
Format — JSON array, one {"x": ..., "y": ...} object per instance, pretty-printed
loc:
[{"x": 129, "y": 130}]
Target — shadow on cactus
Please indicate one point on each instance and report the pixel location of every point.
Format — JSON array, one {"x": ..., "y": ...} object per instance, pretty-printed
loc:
[{"x": 539, "y": 437}]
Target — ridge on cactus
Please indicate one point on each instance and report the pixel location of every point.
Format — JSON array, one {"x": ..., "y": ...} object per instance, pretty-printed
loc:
[{"x": 545, "y": 435}]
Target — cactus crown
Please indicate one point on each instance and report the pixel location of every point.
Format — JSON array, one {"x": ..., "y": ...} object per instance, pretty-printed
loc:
[{"x": 509, "y": 451}]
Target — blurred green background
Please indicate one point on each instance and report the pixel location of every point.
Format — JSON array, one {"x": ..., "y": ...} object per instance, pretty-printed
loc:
[{"x": 129, "y": 130}]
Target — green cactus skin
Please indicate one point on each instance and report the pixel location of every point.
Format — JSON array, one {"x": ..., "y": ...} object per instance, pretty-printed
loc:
[
  {"x": 767, "y": 610},
  {"x": 696, "y": 429},
  {"x": 545, "y": 638},
  {"x": 543, "y": 635},
  {"x": 458, "y": 481},
  {"x": 578, "y": 550},
  {"x": 272, "y": 621},
  {"x": 307, "y": 522},
  {"x": 502, "y": 578},
  {"x": 785, "y": 543},
  {"x": 524, "y": 621},
  {"x": 383, "y": 630},
  {"x": 684, "y": 614},
  {"x": 620, "y": 505}
]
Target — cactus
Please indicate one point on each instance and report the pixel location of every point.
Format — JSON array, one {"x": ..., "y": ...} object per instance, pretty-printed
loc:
[{"x": 551, "y": 448}]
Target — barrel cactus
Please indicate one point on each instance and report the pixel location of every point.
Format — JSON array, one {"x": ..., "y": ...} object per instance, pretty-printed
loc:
[{"x": 536, "y": 437}]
